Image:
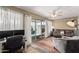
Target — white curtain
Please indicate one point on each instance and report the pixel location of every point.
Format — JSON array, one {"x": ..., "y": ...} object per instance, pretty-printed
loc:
[
  {"x": 28, "y": 36},
  {"x": 48, "y": 28},
  {"x": 10, "y": 19}
]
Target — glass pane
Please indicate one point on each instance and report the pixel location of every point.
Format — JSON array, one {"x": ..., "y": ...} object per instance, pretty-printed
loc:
[
  {"x": 33, "y": 30},
  {"x": 38, "y": 29},
  {"x": 43, "y": 28}
]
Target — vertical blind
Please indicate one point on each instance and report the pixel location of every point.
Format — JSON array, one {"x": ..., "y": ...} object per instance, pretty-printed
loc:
[{"x": 10, "y": 19}]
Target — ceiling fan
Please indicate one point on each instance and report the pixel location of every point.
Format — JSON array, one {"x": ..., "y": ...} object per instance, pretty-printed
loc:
[{"x": 56, "y": 12}]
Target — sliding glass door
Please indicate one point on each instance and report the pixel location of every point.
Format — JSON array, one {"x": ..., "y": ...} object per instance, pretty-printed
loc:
[{"x": 37, "y": 29}]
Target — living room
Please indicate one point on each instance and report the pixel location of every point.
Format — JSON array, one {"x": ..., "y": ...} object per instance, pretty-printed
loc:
[{"x": 42, "y": 29}]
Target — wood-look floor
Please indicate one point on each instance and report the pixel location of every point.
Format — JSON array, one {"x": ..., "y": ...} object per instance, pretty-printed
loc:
[{"x": 42, "y": 46}]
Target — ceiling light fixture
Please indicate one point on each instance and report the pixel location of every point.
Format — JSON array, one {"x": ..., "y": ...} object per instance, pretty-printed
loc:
[
  {"x": 53, "y": 16},
  {"x": 56, "y": 12},
  {"x": 71, "y": 23}
]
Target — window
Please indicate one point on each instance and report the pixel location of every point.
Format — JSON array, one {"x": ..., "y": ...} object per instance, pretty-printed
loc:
[{"x": 37, "y": 29}]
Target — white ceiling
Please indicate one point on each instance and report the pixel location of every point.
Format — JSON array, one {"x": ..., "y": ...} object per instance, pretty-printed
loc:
[{"x": 67, "y": 11}]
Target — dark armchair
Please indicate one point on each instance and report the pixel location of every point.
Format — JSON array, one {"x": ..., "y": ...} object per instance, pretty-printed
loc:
[{"x": 13, "y": 43}]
